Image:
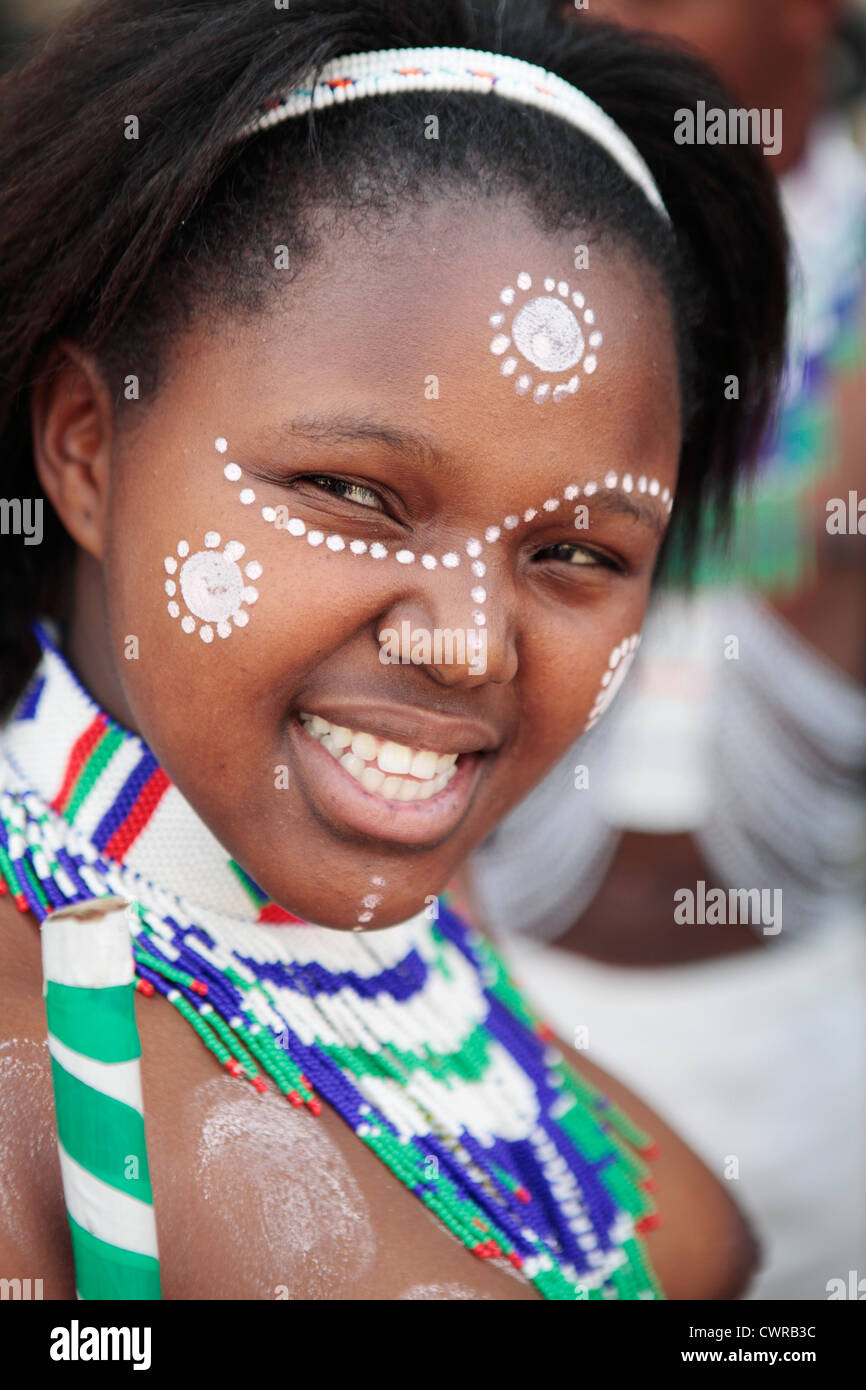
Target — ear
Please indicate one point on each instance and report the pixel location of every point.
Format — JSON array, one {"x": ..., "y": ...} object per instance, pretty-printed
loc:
[{"x": 72, "y": 422}]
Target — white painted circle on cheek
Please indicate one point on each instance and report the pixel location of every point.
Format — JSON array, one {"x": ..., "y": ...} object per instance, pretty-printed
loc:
[{"x": 547, "y": 334}]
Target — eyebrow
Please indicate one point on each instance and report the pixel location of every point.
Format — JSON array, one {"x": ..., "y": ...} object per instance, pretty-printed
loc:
[{"x": 420, "y": 449}]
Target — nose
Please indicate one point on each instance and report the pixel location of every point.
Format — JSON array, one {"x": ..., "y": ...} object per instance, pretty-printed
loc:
[{"x": 460, "y": 632}]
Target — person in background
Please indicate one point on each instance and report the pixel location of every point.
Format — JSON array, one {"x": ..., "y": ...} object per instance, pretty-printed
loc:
[{"x": 736, "y": 754}]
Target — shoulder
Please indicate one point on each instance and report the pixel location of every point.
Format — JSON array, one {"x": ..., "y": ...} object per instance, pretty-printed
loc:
[
  {"x": 34, "y": 1235},
  {"x": 704, "y": 1247}
]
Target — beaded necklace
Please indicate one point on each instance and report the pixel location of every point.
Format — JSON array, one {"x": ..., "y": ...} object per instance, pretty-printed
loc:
[{"x": 414, "y": 1034}]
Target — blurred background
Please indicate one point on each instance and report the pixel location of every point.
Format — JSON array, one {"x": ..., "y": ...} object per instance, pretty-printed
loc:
[{"x": 735, "y": 755}]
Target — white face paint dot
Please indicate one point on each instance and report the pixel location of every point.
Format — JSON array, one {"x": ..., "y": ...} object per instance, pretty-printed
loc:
[
  {"x": 358, "y": 547},
  {"x": 479, "y": 569},
  {"x": 588, "y": 316},
  {"x": 654, "y": 488},
  {"x": 551, "y": 504},
  {"x": 610, "y": 480},
  {"x": 173, "y": 610},
  {"x": 574, "y": 383},
  {"x": 530, "y": 514},
  {"x": 232, "y": 472},
  {"x": 335, "y": 543},
  {"x": 220, "y": 445},
  {"x": 500, "y": 343},
  {"x": 224, "y": 629},
  {"x": 315, "y": 537},
  {"x": 627, "y": 483},
  {"x": 473, "y": 548},
  {"x": 497, "y": 320},
  {"x": 571, "y": 492},
  {"x": 212, "y": 539},
  {"x": 523, "y": 384},
  {"x": 563, "y": 288},
  {"x": 405, "y": 557},
  {"x": 578, "y": 300},
  {"x": 561, "y": 393},
  {"x": 170, "y": 564},
  {"x": 549, "y": 284},
  {"x": 510, "y": 522},
  {"x": 429, "y": 562},
  {"x": 188, "y": 624},
  {"x": 205, "y": 632},
  {"x": 247, "y": 496},
  {"x": 451, "y": 561},
  {"x": 250, "y": 594},
  {"x": 479, "y": 618},
  {"x": 507, "y": 295},
  {"x": 509, "y": 366},
  {"x": 541, "y": 392},
  {"x": 590, "y": 489},
  {"x": 295, "y": 526},
  {"x": 378, "y": 550},
  {"x": 595, "y": 339},
  {"x": 240, "y": 619},
  {"x": 524, "y": 281},
  {"x": 269, "y": 514},
  {"x": 170, "y": 587},
  {"x": 641, "y": 484},
  {"x": 492, "y": 534},
  {"x": 590, "y": 363},
  {"x": 478, "y": 594},
  {"x": 666, "y": 494},
  {"x": 183, "y": 547},
  {"x": 253, "y": 570}
]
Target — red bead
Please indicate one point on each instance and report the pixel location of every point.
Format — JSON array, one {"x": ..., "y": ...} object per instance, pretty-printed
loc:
[
  {"x": 650, "y": 1184},
  {"x": 145, "y": 987},
  {"x": 233, "y": 1066},
  {"x": 648, "y": 1223},
  {"x": 294, "y": 1098},
  {"x": 544, "y": 1031},
  {"x": 651, "y": 1151},
  {"x": 305, "y": 1082},
  {"x": 260, "y": 1084},
  {"x": 516, "y": 1260},
  {"x": 21, "y": 902},
  {"x": 314, "y": 1106},
  {"x": 3, "y": 889},
  {"x": 198, "y": 987},
  {"x": 522, "y": 1195}
]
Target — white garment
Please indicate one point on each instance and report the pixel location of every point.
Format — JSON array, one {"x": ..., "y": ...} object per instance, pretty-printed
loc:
[{"x": 759, "y": 1057}]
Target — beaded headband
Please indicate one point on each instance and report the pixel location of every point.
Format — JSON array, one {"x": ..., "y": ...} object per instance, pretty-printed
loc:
[{"x": 462, "y": 70}]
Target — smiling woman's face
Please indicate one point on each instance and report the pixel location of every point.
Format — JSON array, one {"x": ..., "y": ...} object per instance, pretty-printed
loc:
[{"x": 374, "y": 408}]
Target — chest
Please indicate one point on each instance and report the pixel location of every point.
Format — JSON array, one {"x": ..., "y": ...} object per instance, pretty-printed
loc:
[{"x": 254, "y": 1199}]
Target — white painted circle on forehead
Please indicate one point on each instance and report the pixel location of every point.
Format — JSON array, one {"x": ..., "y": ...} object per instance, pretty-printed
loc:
[
  {"x": 212, "y": 586},
  {"x": 547, "y": 334}
]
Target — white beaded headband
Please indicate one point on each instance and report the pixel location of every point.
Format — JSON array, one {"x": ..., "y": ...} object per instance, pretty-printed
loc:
[{"x": 462, "y": 70}]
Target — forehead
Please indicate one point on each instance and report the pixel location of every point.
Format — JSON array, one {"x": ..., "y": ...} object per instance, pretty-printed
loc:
[{"x": 470, "y": 323}]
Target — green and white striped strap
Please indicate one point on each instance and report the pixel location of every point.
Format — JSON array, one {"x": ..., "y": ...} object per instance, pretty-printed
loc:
[{"x": 89, "y": 1001}]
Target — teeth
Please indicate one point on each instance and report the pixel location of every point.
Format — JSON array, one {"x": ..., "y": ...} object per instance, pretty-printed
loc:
[
  {"x": 393, "y": 757},
  {"x": 424, "y": 765},
  {"x": 371, "y": 779},
  {"x": 384, "y": 768},
  {"x": 365, "y": 746}
]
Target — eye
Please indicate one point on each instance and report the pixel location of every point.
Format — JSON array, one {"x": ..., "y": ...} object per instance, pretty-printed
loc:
[
  {"x": 345, "y": 488},
  {"x": 576, "y": 556}
]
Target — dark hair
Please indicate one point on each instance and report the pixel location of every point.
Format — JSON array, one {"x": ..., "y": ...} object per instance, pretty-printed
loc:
[{"x": 116, "y": 243}]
